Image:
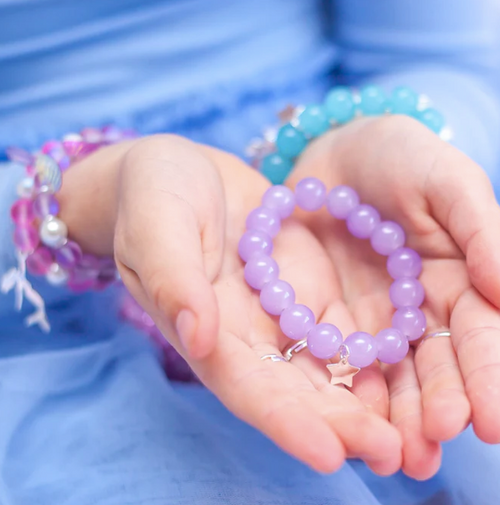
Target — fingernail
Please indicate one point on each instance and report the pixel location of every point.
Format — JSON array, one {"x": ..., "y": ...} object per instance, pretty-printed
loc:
[{"x": 185, "y": 325}]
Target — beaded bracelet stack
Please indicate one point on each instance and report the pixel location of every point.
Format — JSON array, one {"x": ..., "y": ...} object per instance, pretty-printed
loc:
[
  {"x": 275, "y": 153},
  {"x": 43, "y": 247},
  {"x": 40, "y": 237}
]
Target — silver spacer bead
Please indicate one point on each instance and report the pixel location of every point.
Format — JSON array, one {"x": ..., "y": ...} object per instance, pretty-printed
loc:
[
  {"x": 72, "y": 137},
  {"x": 53, "y": 232},
  {"x": 446, "y": 134},
  {"x": 56, "y": 275},
  {"x": 424, "y": 102}
]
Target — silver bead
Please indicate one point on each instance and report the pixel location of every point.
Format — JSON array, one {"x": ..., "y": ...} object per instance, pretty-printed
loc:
[
  {"x": 25, "y": 188},
  {"x": 56, "y": 275},
  {"x": 53, "y": 232},
  {"x": 72, "y": 137}
]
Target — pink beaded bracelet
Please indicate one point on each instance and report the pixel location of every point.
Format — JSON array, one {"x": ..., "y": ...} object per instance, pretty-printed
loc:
[
  {"x": 277, "y": 297},
  {"x": 40, "y": 237}
]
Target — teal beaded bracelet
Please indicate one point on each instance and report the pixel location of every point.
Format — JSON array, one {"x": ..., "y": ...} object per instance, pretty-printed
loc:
[{"x": 274, "y": 155}]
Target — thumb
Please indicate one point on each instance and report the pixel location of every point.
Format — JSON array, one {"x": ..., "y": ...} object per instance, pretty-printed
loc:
[
  {"x": 463, "y": 201},
  {"x": 169, "y": 240}
]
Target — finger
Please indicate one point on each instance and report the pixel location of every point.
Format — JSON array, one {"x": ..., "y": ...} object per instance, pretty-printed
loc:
[
  {"x": 468, "y": 209},
  {"x": 421, "y": 457},
  {"x": 170, "y": 233},
  {"x": 475, "y": 329},
  {"x": 370, "y": 386},
  {"x": 260, "y": 393},
  {"x": 362, "y": 434},
  {"x": 446, "y": 408}
]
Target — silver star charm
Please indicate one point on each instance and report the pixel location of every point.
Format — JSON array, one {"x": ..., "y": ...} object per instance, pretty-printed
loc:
[{"x": 342, "y": 373}]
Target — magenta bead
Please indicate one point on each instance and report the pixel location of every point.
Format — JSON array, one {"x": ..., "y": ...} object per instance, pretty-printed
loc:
[
  {"x": 73, "y": 145},
  {"x": 52, "y": 146},
  {"x": 296, "y": 321},
  {"x": 362, "y": 220},
  {"x": 45, "y": 204},
  {"x": 324, "y": 341},
  {"x": 310, "y": 194},
  {"x": 281, "y": 199},
  {"x": 68, "y": 255},
  {"x": 26, "y": 238},
  {"x": 22, "y": 212},
  {"x": 406, "y": 292},
  {"x": 392, "y": 345},
  {"x": 264, "y": 219},
  {"x": 404, "y": 262},
  {"x": 91, "y": 264},
  {"x": 410, "y": 321},
  {"x": 39, "y": 262},
  {"x": 363, "y": 349},
  {"x": 81, "y": 281},
  {"x": 254, "y": 241},
  {"x": 276, "y": 296},
  {"x": 341, "y": 201},
  {"x": 84, "y": 275},
  {"x": 387, "y": 237},
  {"x": 260, "y": 269}
]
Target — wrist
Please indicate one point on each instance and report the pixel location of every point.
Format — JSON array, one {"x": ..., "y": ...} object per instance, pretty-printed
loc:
[{"x": 89, "y": 198}]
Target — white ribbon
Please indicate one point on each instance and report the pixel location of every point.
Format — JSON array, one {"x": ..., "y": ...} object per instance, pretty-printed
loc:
[{"x": 15, "y": 279}]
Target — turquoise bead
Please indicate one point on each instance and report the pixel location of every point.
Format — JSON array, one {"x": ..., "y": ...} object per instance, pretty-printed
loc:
[
  {"x": 290, "y": 142},
  {"x": 432, "y": 119},
  {"x": 339, "y": 105},
  {"x": 313, "y": 120},
  {"x": 373, "y": 101},
  {"x": 276, "y": 168},
  {"x": 404, "y": 101}
]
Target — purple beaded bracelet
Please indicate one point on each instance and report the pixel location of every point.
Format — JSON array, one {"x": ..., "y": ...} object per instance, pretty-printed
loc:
[
  {"x": 277, "y": 297},
  {"x": 40, "y": 237}
]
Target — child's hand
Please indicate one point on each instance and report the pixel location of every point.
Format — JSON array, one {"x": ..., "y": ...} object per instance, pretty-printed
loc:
[
  {"x": 176, "y": 219},
  {"x": 447, "y": 207}
]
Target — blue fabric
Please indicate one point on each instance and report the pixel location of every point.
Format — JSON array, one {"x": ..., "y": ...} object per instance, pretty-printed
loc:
[{"x": 86, "y": 414}]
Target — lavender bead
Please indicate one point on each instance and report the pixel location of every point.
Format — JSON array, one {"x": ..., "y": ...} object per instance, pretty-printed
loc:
[
  {"x": 281, "y": 199},
  {"x": 45, "y": 204},
  {"x": 363, "y": 349},
  {"x": 410, "y": 321},
  {"x": 392, "y": 345},
  {"x": 26, "y": 238},
  {"x": 387, "y": 237},
  {"x": 254, "y": 241},
  {"x": 40, "y": 261},
  {"x": 406, "y": 292},
  {"x": 362, "y": 220},
  {"x": 310, "y": 194},
  {"x": 264, "y": 219},
  {"x": 69, "y": 254},
  {"x": 324, "y": 340},
  {"x": 81, "y": 280},
  {"x": 404, "y": 262},
  {"x": 260, "y": 269},
  {"x": 341, "y": 201},
  {"x": 296, "y": 321},
  {"x": 276, "y": 296}
]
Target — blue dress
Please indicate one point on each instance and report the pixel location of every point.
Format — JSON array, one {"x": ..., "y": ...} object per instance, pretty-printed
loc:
[{"x": 86, "y": 413}]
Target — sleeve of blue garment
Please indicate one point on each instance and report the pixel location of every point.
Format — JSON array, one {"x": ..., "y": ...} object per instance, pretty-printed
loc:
[{"x": 446, "y": 49}]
